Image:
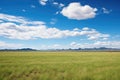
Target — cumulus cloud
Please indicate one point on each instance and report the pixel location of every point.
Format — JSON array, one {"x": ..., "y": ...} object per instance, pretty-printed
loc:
[
  {"x": 43, "y": 2},
  {"x": 9, "y": 45},
  {"x": 79, "y": 12},
  {"x": 21, "y": 28}
]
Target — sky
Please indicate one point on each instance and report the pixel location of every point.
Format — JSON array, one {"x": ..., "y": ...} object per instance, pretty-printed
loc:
[{"x": 59, "y": 24}]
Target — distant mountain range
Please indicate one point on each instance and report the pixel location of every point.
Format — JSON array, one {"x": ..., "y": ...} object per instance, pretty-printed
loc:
[
  {"x": 23, "y": 49},
  {"x": 70, "y": 49}
]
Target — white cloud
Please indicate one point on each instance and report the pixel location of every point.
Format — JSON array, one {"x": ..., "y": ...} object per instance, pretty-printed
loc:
[
  {"x": 9, "y": 45},
  {"x": 85, "y": 28},
  {"x": 11, "y": 18},
  {"x": 96, "y": 44},
  {"x": 18, "y": 19},
  {"x": 98, "y": 35},
  {"x": 21, "y": 28},
  {"x": 76, "y": 11},
  {"x": 76, "y": 29},
  {"x": 55, "y": 3},
  {"x": 106, "y": 11},
  {"x": 60, "y": 5},
  {"x": 43, "y": 2},
  {"x": 73, "y": 43},
  {"x": 109, "y": 44}
]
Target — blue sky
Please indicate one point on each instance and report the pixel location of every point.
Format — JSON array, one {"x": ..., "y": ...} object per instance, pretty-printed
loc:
[{"x": 56, "y": 24}]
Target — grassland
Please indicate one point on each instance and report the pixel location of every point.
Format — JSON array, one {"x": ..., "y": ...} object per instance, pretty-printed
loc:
[{"x": 59, "y": 65}]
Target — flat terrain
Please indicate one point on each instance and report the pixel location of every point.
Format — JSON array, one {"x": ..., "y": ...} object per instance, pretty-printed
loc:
[{"x": 59, "y": 65}]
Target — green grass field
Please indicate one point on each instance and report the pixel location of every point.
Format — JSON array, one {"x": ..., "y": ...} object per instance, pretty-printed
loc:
[{"x": 59, "y": 65}]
